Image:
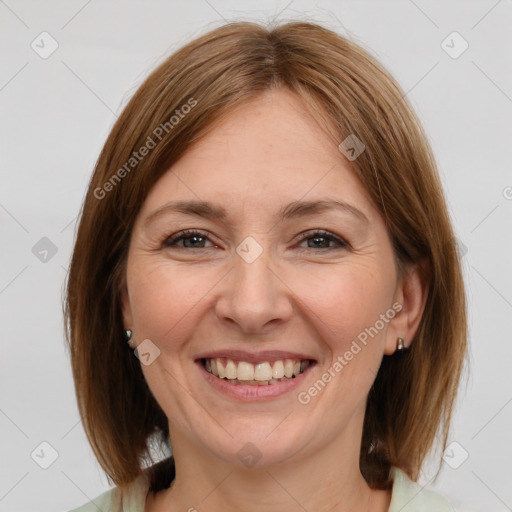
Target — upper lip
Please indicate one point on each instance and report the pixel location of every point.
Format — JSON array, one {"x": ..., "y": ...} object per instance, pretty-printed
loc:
[{"x": 254, "y": 357}]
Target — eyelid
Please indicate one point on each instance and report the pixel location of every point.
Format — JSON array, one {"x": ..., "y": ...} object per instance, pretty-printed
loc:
[
  {"x": 186, "y": 233},
  {"x": 325, "y": 234},
  {"x": 169, "y": 241}
]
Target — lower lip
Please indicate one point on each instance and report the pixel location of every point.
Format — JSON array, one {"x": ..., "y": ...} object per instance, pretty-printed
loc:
[{"x": 251, "y": 393}]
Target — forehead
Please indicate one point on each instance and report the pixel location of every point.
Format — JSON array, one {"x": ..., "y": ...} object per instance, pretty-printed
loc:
[
  {"x": 276, "y": 124},
  {"x": 269, "y": 151}
]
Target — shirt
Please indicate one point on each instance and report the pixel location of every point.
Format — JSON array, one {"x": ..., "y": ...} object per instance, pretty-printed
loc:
[{"x": 407, "y": 496}]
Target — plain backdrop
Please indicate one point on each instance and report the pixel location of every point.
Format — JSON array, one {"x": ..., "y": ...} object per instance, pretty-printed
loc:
[{"x": 56, "y": 111}]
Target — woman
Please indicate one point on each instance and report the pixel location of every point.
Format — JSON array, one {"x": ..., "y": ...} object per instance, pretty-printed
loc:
[{"x": 266, "y": 228}]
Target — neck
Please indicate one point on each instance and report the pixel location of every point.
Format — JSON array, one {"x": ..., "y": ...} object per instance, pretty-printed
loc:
[{"x": 326, "y": 480}]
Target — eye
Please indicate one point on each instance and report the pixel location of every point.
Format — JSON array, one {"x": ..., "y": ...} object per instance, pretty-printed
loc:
[
  {"x": 321, "y": 239},
  {"x": 192, "y": 239}
]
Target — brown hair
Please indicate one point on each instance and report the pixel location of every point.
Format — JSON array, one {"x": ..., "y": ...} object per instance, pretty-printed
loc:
[{"x": 350, "y": 93}]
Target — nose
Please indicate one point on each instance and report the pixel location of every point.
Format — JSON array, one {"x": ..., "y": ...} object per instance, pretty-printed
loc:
[{"x": 255, "y": 298}]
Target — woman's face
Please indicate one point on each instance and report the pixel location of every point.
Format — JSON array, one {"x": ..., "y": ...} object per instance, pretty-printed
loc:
[{"x": 255, "y": 289}]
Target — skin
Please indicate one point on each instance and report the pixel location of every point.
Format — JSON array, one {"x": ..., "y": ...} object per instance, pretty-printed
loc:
[{"x": 191, "y": 297}]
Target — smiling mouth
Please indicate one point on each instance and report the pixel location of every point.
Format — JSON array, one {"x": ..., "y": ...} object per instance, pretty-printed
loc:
[{"x": 259, "y": 374}]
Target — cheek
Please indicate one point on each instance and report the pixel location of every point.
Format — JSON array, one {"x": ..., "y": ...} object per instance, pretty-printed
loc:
[
  {"x": 347, "y": 302},
  {"x": 163, "y": 299},
  {"x": 342, "y": 301}
]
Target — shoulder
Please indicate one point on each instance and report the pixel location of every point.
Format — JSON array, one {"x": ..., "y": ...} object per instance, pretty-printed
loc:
[
  {"x": 131, "y": 499},
  {"x": 409, "y": 496},
  {"x": 102, "y": 502}
]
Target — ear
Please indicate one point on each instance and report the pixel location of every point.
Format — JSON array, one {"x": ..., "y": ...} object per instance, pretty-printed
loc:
[
  {"x": 411, "y": 294},
  {"x": 126, "y": 308}
]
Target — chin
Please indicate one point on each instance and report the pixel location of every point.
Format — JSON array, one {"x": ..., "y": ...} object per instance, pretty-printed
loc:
[{"x": 261, "y": 445}]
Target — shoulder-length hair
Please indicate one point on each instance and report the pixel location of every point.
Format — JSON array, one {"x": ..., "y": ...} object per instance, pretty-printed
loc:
[{"x": 350, "y": 93}]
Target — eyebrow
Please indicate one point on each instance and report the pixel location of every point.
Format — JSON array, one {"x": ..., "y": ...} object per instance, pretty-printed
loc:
[{"x": 295, "y": 209}]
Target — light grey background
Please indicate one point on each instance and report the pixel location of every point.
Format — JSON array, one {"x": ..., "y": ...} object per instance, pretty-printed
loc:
[{"x": 56, "y": 114}]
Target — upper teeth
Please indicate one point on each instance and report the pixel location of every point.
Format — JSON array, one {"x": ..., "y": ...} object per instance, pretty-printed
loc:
[{"x": 225, "y": 368}]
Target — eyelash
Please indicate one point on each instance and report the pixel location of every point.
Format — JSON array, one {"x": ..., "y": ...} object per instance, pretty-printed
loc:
[{"x": 319, "y": 233}]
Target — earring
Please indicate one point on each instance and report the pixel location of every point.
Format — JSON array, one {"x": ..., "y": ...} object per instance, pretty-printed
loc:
[
  {"x": 128, "y": 335},
  {"x": 400, "y": 345}
]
